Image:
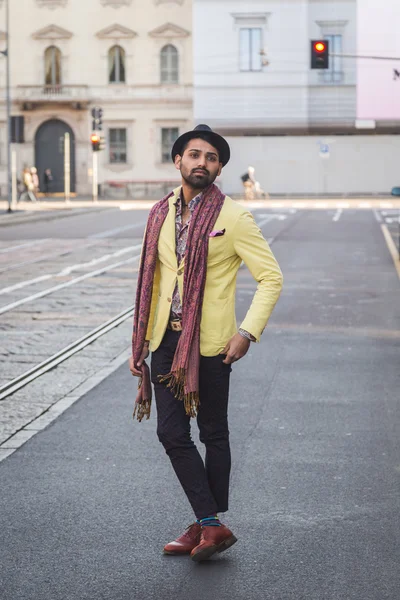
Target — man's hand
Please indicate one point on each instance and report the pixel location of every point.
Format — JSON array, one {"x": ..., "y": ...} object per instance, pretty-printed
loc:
[
  {"x": 235, "y": 349},
  {"x": 135, "y": 372}
]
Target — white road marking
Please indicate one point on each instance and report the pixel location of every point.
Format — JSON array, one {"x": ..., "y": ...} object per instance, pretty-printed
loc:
[
  {"x": 18, "y": 286},
  {"x": 61, "y": 286},
  {"x": 96, "y": 261},
  {"x": 321, "y": 205},
  {"x": 110, "y": 232},
  {"x": 364, "y": 205},
  {"x": 28, "y": 244},
  {"x": 43, "y": 257},
  {"x": 69, "y": 270},
  {"x": 267, "y": 218},
  {"x": 378, "y": 217},
  {"x": 338, "y": 214},
  {"x": 386, "y": 204}
]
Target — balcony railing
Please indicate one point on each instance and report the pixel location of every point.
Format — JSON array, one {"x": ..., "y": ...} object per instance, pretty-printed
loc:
[
  {"x": 331, "y": 76},
  {"x": 79, "y": 93},
  {"x": 52, "y": 93}
]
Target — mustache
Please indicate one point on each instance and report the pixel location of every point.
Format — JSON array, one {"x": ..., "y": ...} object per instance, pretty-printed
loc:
[{"x": 200, "y": 171}]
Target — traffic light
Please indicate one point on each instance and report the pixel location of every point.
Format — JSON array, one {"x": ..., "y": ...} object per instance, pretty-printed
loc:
[
  {"x": 319, "y": 54},
  {"x": 95, "y": 139},
  {"x": 97, "y": 114}
]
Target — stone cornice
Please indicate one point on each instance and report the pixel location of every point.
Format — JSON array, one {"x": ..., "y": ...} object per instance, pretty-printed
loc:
[
  {"x": 52, "y": 32},
  {"x": 168, "y": 1},
  {"x": 116, "y": 31},
  {"x": 116, "y": 3},
  {"x": 51, "y": 3},
  {"x": 169, "y": 30},
  {"x": 328, "y": 23}
]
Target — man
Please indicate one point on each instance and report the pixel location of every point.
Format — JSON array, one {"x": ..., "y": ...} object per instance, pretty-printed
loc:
[{"x": 195, "y": 242}]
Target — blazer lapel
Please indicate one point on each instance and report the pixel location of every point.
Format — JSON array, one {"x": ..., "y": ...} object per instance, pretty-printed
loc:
[{"x": 167, "y": 241}]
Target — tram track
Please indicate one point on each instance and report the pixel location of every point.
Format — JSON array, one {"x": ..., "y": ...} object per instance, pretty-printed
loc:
[
  {"x": 71, "y": 282},
  {"x": 49, "y": 363},
  {"x": 53, "y": 361}
]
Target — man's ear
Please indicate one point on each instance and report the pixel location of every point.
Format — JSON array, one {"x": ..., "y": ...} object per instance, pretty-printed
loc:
[
  {"x": 220, "y": 169},
  {"x": 177, "y": 161}
]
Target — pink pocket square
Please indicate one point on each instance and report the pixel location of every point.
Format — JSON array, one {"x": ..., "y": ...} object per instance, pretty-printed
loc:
[{"x": 217, "y": 232}]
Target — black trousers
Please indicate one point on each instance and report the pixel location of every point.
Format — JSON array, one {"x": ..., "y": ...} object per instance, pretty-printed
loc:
[{"x": 205, "y": 484}]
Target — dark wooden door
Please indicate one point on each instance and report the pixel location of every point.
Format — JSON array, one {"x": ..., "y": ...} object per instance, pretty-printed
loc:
[{"x": 49, "y": 153}]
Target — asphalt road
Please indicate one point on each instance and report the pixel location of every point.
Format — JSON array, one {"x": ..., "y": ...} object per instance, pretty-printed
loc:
[{"x": 87, "y": 505}]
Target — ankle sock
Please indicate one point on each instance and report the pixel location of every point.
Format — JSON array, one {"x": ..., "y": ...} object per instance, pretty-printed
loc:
[{"x": 212, "y": 521}]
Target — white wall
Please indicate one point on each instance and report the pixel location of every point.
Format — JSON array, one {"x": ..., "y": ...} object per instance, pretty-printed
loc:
[
  {"x": 378, "y": 34},
  {"x": 290, "y": 165},
  {"x": 286, "y": 93}
]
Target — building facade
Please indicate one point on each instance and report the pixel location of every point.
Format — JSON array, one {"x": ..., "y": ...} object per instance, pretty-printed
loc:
[
  {"x": 131, "y": 58},
  {"x": 296, "y": 126}
]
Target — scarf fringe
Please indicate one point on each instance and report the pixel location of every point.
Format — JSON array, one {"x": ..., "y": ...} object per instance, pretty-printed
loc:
[
  {"x": 142, "y": 409},
  {"x": 176, "y": 382}
]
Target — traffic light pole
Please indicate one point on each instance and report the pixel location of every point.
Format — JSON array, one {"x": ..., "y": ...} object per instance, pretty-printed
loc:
[
  {"x": 14, "y": 185},
  {"x": 67, "y": 168},
  {"x": 95, "y": 176}
]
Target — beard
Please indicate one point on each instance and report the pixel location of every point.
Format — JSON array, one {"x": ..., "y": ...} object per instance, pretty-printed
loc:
[{"x": 199, "y": 181}]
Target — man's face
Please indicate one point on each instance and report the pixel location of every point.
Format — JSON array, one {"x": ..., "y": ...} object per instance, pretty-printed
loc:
[{"x": 199, "y": 165}]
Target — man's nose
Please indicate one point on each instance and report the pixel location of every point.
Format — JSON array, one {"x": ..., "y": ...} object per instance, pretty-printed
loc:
[{"x": 201, "y": 162}]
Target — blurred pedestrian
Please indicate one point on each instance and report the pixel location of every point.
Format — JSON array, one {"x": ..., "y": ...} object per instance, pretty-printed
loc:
[
  {"x": 35, "y": 180},
  {"x": 249, "y": 183},
  {"x": 27, "y": 180},
  {"x": 195, "y": 241},
  {"x": 47, "y": 181}
]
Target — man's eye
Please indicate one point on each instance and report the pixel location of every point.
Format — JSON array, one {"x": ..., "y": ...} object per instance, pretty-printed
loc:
[
  {"x": 194, "y": 155},
  {"x": 212, "y": 158}
]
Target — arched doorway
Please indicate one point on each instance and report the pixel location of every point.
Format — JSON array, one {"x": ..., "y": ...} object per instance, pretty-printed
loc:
[{"x": 49, "y": 153}]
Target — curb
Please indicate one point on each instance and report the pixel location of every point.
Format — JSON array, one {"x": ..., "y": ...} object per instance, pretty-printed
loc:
[{"x": 55, "y": 214}]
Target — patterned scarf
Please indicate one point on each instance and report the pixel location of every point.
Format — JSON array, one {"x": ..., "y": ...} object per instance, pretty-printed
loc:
[{"x": 184, "y": 376}]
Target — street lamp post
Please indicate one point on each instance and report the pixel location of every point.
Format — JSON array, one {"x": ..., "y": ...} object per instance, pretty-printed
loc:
[{"x": 8, "y": 104}]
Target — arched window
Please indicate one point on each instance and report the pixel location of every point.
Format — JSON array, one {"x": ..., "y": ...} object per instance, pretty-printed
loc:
[
  {"x": 116, "y": 65},
  {"x": 52, "y": 65},
  {"x": 169, "y": 64}
]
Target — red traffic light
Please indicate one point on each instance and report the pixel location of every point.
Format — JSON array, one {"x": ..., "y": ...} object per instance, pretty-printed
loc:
[
  {"x": 320, "y": 54},
  {"x": 96, "y": 142},
  {"x": 320, "y": 46}
]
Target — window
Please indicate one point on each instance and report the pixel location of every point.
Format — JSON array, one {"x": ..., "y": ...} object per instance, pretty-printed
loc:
[
  {"x": 334, "y": 74},
  {"x": 117, "y": 145},
  {"x": 168, "y": 136},
  {"x": 116, "y": 65},
  {"x": 52, "y": 66},
  {"x": 250, "y": 49},
  {"x": 169, "y": 62}
]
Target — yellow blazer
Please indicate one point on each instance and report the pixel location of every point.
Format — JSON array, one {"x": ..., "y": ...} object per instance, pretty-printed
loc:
[{"x": 242, "y": 241}]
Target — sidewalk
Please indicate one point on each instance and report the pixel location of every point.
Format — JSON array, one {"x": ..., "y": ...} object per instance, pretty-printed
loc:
[{"x": 46, "y": 204}]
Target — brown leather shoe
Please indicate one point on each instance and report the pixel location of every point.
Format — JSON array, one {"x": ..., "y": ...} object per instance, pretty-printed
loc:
[
  {"x": 212, "y": 540},
  {"x": 185, "y": 543}
]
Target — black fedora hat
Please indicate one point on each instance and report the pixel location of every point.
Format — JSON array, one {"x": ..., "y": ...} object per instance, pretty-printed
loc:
[{"x": 204, "y": 132}]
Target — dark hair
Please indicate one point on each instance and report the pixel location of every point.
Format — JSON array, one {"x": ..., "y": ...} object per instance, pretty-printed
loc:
[{"x": 207, "y": 138}]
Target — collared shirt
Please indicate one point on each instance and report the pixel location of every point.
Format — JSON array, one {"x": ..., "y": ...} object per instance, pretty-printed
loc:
[{"x": 181, "y": 237}]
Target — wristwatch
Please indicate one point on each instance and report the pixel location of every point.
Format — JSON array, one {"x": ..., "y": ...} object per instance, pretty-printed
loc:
[{"x": 247, "y": 335}]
